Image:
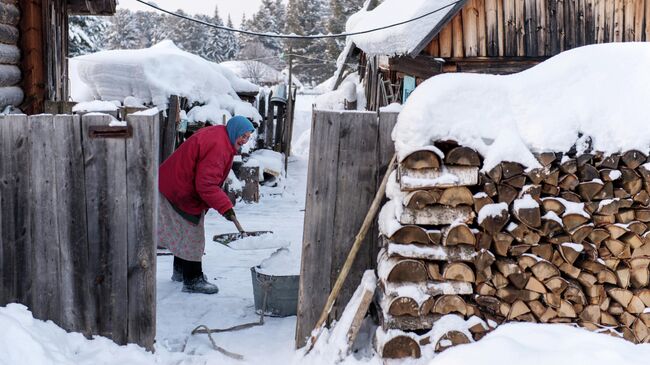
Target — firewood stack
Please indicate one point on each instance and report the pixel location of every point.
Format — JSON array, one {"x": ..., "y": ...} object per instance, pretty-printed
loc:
[{"x": 464, "y": 250}]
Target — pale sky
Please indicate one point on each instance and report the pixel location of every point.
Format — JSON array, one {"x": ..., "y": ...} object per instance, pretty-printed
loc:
[{"x": 235, "y": 7}]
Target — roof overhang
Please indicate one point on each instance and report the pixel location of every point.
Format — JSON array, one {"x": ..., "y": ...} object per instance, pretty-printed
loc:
[
  {"x": 437, "y": 28},
  {"x": 91, "y": 7}
]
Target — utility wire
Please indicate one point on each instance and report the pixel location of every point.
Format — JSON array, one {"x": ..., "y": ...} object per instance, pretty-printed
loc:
[{"x": 293, "y": 36}]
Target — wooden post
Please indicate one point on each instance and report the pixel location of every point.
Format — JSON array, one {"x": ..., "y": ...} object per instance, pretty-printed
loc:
[
  {"x": 261, "y": 108},
  {"x": 279, "y": 127},
  {"x": 168, "y": 130},
  {"x": 142, "y": 200},
  {"x": 268, "y": 130},
  {"x": 288, "y": 125},
  {"x": 32, "y": 65}
]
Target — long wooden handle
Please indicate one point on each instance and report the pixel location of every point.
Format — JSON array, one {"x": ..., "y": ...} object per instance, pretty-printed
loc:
[
  {"x": 338, "y": 285},
  {"x": 239, "y": 227}
]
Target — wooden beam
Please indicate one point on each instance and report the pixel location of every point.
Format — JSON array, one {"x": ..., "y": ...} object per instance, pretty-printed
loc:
[
  {"x": 420, "y": 66},
  {"x": 497, "y": 66},
  {"x": 32, "y": 66}
]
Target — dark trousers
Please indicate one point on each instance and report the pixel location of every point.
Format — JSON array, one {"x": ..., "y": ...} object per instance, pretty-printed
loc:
[{"x": 191, "y": 269}]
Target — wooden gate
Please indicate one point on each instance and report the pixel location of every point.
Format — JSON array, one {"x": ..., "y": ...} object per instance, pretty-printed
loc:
[
  {"x": 348, "y": 156},
  {"x": 78, "y": 203}
]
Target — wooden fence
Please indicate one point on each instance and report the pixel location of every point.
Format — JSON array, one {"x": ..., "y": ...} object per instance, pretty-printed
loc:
[
  {"x": 78, "y": 202},
  {"x": 348, "y": 156}
]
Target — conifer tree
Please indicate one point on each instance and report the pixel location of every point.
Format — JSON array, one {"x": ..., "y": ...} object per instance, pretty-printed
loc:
[{"x": 86, "y": 34}]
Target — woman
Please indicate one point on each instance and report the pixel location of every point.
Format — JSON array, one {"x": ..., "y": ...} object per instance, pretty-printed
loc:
[{"x": 190, "y": 183}]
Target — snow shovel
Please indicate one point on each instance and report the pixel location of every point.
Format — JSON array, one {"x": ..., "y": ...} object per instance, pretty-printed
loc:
[{"x": 226, "y": 238}]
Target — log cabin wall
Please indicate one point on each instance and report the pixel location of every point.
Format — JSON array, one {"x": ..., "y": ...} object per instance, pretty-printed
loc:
[
  {"x": 10, "y": 92},
  {"x": 539, "y": 28},
  {"x": 508, "y": 36}
]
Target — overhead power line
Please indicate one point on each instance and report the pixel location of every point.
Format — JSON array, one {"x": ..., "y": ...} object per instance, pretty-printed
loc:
[{"x": 294, "y": 36}]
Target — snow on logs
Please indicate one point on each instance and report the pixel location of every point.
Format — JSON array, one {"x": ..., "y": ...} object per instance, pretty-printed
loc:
[{"x": 565, "y": 243}]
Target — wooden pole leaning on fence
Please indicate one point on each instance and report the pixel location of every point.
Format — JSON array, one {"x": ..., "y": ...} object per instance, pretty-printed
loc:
[{"x": 338, "y": 285}]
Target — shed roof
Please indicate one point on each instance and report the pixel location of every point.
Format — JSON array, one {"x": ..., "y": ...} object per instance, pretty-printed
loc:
[{"x": 404, "y": 39}]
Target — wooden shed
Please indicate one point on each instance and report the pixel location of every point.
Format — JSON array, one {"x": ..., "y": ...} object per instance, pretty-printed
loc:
[
  {"x": 496, "y": 37},
  {"x": 34, "y": 50}
]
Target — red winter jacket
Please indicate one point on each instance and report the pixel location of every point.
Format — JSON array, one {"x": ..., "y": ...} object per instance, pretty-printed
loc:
[{"x": 192, "y": 176}]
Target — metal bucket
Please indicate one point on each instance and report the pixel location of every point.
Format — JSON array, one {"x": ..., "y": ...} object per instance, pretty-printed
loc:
[{"x": 276, "y": 296}]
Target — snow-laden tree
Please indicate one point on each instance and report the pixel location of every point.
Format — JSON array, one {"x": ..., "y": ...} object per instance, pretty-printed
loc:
[
  {"x": 126, "y": 32},
  {"x": 340, "y": 11},
  {"x": 308, "y": 17},
  {"x": 86, "y": 34},
  {"x": 213, "y": 46},
  {"x": 231, "y": 43},
  {"x": 269, "y": 18}
]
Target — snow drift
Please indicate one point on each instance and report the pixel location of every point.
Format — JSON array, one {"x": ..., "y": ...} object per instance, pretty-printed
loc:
[
  {"x": 153, "y": 74},
  {"x": 597, "y": 92}
]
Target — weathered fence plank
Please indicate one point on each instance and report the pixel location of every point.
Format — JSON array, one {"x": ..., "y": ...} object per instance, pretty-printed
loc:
[
  {"x": 106, "y": 211},
  {"x": 492, "y": 28},
  {"x": 355, "y": 190},
  {"x": 142, "y": 202},
  {"x": 46, "y": 287},
  {"x": 530, "y": 27},
  {"x": 15, "y": 250},
  {"x": 319, "y": 223},
  {"x": 71, "y": 224},
  {"x": 354, "y": 149}
]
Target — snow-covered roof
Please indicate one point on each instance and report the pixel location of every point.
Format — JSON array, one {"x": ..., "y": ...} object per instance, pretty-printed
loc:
[
  {"x": 153, "y": 74},
  {"x": 599, "y": 92},
  {"x": 407, "y": 38}
]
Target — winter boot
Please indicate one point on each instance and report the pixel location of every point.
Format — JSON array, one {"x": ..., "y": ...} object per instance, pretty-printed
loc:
[
  {"x": 177, "y": 275},
  {"x": 199, "y": 285}
]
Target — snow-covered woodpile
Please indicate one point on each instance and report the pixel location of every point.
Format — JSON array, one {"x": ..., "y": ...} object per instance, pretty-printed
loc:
[{"x": 466, "y": 250}]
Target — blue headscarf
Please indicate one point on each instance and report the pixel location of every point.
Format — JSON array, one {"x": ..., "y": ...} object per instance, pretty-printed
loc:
[{"x": 237, "y": 126}]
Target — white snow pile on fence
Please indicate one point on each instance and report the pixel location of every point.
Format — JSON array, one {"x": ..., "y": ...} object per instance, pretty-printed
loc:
[
  {"x": 153, "y": 74},
  {"x": 542, "y": 344},
  {"x": 599, "y": 91},
  {"x": 401, "y": 39},
  {"x": 95, "y": 106}
]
